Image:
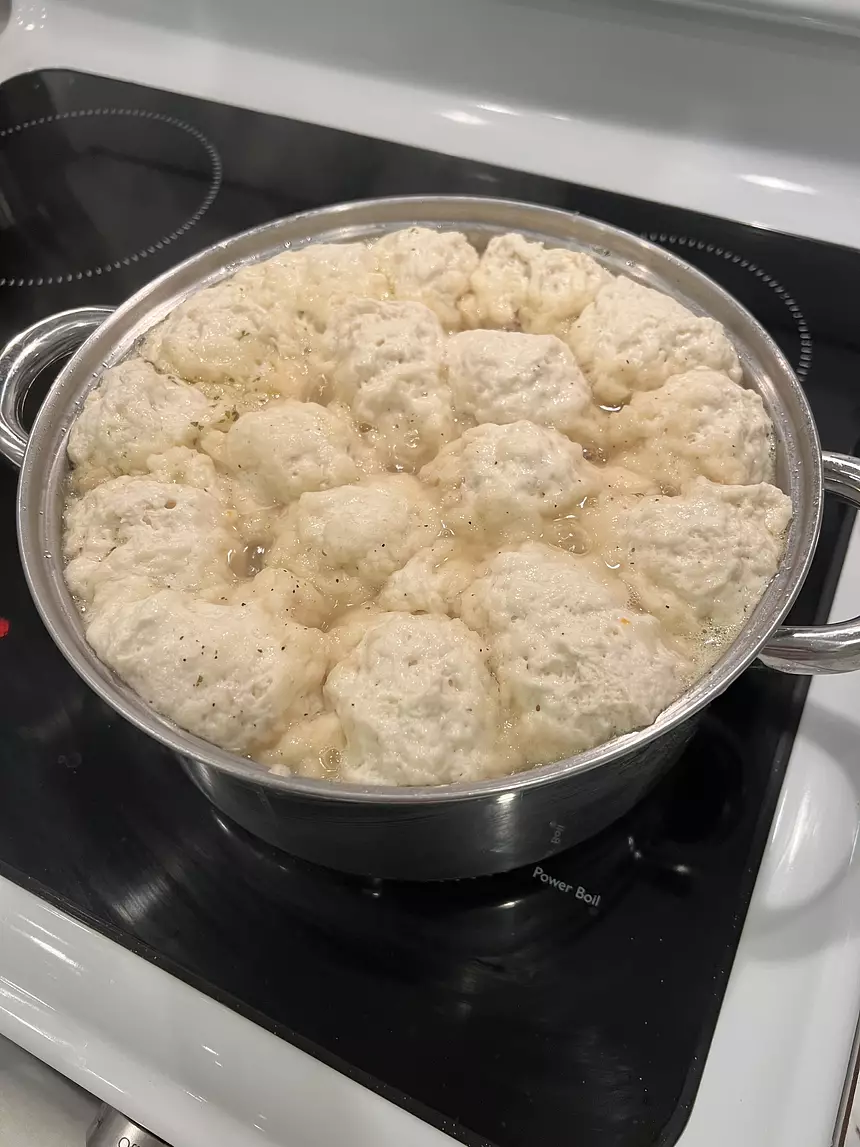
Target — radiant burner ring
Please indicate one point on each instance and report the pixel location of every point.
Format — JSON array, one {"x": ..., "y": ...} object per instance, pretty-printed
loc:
[
  {"x": 152, "y": 248},
  {"x": 804, "y": 361}
]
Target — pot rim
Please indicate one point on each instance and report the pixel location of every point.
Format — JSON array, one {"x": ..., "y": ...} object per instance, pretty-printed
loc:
[{"x": 799, "y": 462}]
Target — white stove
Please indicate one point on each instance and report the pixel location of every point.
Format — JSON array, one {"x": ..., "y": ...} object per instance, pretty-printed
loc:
[{"x": 714, "y": 113}]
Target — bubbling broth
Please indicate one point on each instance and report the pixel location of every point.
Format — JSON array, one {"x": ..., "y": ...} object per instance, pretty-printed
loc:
[
  {"x": 569, "y": 534},
  {"x": 247, "y": 560}
]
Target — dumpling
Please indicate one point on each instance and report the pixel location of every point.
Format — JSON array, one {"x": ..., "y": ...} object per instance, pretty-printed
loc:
[
  {"x": 418, "y": 705},
  {"x": 234, "y": 676},
  {"x": 634, "y": 338},
  {"x": 316, "y": 279},
  {"x": 508, "y": 482},
  {"x": 574, "y": 664},
  {"x": 258, "y": 330},
  {"x": 226, "y": 338},
  {"x": 188, "y": 468},
  {"x": 505, "y": 376},
  {"x": 698, "y": 424},
  {"x": 349, "y": 540},
  {"x": 134, "y": 412},
  {"x": 385, "y": 360},
  {"x": 520, "y": 283},
  {"x": 289, "y": 448},
  {"x": 702, "y": 559},
  {"x": 606, "y": 673},
  {"x": 429, "y": 267},
  {"x": 538, "y": 580},
  {"x": 431, "y": 581},
  {"x": 175, "y": 536}
]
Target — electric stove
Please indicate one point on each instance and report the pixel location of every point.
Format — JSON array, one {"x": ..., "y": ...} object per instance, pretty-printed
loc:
[{"x": 572, "y": 1002}]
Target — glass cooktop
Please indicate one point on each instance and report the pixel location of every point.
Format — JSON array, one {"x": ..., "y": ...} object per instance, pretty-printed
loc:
[{"x": 506, "y": 1011}]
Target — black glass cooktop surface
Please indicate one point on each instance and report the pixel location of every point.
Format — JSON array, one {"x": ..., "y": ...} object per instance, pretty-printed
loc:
[{"x": 506, "y": 1011}]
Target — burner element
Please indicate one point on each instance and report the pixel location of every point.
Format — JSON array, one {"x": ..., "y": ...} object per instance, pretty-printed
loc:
[{"x": 84, "y": 193}]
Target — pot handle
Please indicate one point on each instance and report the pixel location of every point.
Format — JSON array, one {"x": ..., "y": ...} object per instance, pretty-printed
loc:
[
  {"x": 22, "y": 360},
  {"x": 822, "y": 648}
]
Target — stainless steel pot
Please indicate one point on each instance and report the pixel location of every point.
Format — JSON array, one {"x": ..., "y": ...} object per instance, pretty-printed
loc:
[{"x": 453, "y": 830}]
